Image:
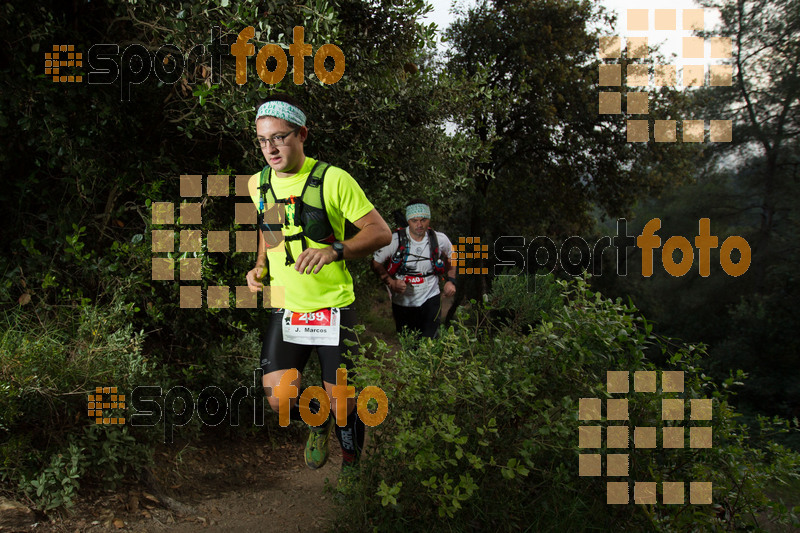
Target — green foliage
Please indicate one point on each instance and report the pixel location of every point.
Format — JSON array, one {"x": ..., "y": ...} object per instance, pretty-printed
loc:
[
  {"x": 84, "y": 167},
  {"x": 76, "y": 293},
  {"x": 49, "y": 445},
  {"x": 528, "y": 104},
  {"x": 88, "y": 166},
  {"x": 48, "y": 367},
  {"x": 505, "y": 298},
  {"x": 58, "y": 483},
  {"x": 112, "y": 453},
  {"x": 482, "y": 428},
  {"x": 747, "y": 187},
  {"x": 104, "y": 453}
]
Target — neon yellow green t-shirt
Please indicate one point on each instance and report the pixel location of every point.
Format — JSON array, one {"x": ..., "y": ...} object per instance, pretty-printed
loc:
[{"x": 333, "y": 285}]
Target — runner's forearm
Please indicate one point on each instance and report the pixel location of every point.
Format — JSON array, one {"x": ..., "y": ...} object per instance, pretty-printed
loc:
[
  {"x": 381, "y": 271},
  {"x": 261, "y": 256},
  {"x": 366, "y": 241}
]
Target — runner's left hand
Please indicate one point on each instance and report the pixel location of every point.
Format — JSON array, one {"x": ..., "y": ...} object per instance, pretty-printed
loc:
[
  {"x": 449, "y": 288},
  {"x": 312, "y": 260}
]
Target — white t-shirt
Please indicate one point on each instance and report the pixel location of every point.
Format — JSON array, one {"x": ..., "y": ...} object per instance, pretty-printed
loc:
[{"x": 420, "y": 288}]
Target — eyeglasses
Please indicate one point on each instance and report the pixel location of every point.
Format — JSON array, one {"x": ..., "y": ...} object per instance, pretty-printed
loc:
[{"x": 275, "y": 140}]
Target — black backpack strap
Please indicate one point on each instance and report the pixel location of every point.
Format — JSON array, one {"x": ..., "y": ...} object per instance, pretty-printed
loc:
[
  {"x": 268, "y": 197},
  {"x": 394, "y": 262},
  {"x": 317, "y": 176},
  {"x": 316, "y": 179},
  {"x": 296, "y": 237},
  {"x": 402, "y": 237},
  {"x": 433, "y": 242},
  {"x": 265, "y": 186},
  {"x": 438, "y": 261},
  {"x": 322, "y": 169}
]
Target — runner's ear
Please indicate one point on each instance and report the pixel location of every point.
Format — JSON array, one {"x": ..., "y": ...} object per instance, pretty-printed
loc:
[{"x": 302, "y": 134}]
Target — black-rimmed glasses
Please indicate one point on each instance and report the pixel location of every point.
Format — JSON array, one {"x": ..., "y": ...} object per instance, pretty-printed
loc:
[{"x": 275, "y": 140}]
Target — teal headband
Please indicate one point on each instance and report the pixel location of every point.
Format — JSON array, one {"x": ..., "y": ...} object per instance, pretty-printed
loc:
[
  {"x": 418, "y": 210},
  {"x": 283, "y": 110}
]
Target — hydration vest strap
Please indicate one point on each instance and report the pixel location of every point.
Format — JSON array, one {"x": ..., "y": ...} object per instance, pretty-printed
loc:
[
  {"x": 397, "y": 263},
  {"x": 433, "y": 242},
  {"x": 400, "y": 256},
  {"x": 436, "y": 255},
  {"x": 403, "y": 235},
  {"x": 315, "y": 176},
  {"x": 316, "y": 180},
  {"x": 296, "y": 237},
  {"x": 292, "y": 200},
  {"x": 266, "y": 186},
  {"x": 267, "y": 227}
]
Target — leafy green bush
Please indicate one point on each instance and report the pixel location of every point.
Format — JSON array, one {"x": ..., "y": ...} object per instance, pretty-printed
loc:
[
  {"x": 112, "y": 453},
  {"x": 506, "y": 300},
  {"x": 482, "y": 432},
  {"x": 102, "y": 454},
  {"x": 50, "y": 363},
  {"x": 57, "y": 484},
  {"x": 48, "y": 367}
]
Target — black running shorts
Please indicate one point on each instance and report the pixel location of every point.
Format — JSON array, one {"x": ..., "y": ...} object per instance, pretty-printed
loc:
[
  {"x": 279, "y": 355},
  {"x": 424, "y": 319}
]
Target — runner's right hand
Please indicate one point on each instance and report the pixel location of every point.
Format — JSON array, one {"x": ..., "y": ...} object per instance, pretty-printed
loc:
[
  {"x": 253, "y": 278},
  {"x": 398, "y": 285}
]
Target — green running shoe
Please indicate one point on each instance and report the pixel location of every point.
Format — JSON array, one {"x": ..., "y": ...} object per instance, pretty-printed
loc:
[{"x": 316, "y": 454}]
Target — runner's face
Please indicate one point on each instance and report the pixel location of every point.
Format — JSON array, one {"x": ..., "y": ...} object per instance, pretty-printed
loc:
[
  {"x": 418, "y": 227},
  {"x": 288, "y": 159}
]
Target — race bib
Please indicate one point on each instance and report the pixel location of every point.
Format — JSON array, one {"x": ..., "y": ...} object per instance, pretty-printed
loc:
[
  {"x": 414, "y": 280},
  {"x": 318, "y": 328}
]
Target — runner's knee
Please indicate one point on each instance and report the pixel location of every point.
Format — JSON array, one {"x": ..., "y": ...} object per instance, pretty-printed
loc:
[
  {"x": 275, "y": 390},
  {"x": 274, "y": 403},
  {"x": 351, "y": 404}
]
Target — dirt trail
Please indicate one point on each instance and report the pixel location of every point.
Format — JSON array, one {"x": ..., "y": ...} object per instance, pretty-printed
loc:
[{"x": 243, "y": 485}]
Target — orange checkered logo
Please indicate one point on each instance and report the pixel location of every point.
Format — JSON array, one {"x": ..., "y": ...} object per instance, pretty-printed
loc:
[
  {"x": 53, "y": 63},
  {"x": 618, "y": 438},
  {"x": 640, "y": 74},
  {"x": 193, "y": 242},
  {"x": 106, "y": 398},
  {"x": 462, "y": 252}
]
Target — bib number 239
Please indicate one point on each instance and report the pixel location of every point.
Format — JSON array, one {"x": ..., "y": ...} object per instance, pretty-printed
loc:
[{"x": 319, "y": 328}]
